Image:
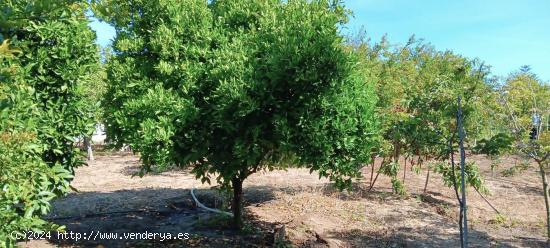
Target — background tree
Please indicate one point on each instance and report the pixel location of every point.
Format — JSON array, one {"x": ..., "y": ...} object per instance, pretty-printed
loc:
[
  {"x": 417, "y": 88},
  {"x": 94, "y": 88},
  {"x": 41, "y": 107},
  {"x": 526, "y": 104},
  {"x": 234, "y": 87}
]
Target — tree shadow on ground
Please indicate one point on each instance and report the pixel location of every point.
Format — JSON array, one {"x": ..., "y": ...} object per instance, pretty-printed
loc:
[
  {"x": 97, "y": 216},
  {"x": 133, "y": 168},
  {"x": 407, "y": 237},
  {"x": 108, "y": 219},
  {"x": 430, "y": 235},
  {"x": 530, "y": 190},
  {"x": 434, "y": 232},
  {"x": 361, "y": 191}
]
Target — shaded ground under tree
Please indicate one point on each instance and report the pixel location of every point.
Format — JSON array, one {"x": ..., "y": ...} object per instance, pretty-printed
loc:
[{"x": 313, "y": 213}]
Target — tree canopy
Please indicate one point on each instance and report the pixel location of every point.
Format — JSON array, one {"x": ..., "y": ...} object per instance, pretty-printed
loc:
[{"x": 235, "y": 87}]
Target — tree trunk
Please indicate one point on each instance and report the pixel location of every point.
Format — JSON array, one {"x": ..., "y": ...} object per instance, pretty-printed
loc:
[
  {"x": 546, "y": 200},
  {"x": 427, "y": 179},
  {"x": 371, "y": 172},
  {"x": 375, "y": 178},
  {"x": 405, "y": 169},
  {"x": 377, "y": 173},
  {"x": 397, "y": 151},
  {"x": 88, "y": 145},
  {"x": 236, "y": 205}
]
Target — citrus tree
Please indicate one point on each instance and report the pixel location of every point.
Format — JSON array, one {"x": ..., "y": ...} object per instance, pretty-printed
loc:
[
  {"x": 47, "y": 53},
  {"x": 59, "y": 54},
  {"x": 24, "y": 176},
  {"x": 231, "y": 88}
]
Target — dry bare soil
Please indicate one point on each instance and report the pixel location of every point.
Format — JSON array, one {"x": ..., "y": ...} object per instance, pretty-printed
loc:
[{"x": 295, "y": 208}]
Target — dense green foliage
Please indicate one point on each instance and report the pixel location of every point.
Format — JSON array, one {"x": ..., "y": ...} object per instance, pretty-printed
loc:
[
  {"x": 417, "y": 88},
  {"x": 93, "y": 89},
  {"x": 24, "y": 176},
  {"x": 235, "y": 87},
  {"x": 471, "y": 170},
  {"x": 494, "y": 146},
  {"x": 50, "y": 54}
]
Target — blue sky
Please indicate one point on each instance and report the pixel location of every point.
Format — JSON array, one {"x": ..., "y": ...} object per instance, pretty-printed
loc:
[{"x": 505, "y": 34}]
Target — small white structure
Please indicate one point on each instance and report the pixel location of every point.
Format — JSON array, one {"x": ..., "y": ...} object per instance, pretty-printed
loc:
[{"x": 99, "y": 135}]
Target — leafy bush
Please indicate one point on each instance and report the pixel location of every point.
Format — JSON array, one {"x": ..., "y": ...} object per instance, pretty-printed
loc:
[
  {"x": 494, "y": 146},
  {"x": 51, "y": 53},
  {"x": 391, "y": 169},
  {"x": 25, "y": 179},
  {"x": 471, "y": 170},
  {"x": 58, "y": 55},
  {"x": 27, "y": 183}
]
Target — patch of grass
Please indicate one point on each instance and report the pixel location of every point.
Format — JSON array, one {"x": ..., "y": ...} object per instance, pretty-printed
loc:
[
  {"x": 283, "y": 244},
  {"x": 444, "y": 210},
  {"x": 224, "y": 222},
  {"x": 473, "y": 221},
  {"x": 420, "y": 198},
  {"x": 514, "y": 223},
  {"x": 218, "y": 221},
  {"x": 504, "y": 221},
  {"x": 499, "y": 220},
  {"x": 249, "y": 229},
  {"x": 541, "y": 224},
  {"x": 494, "y": 165}
]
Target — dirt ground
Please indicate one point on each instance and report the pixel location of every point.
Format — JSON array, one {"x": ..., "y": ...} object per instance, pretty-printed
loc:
[{"x": 296, "y": 208}]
